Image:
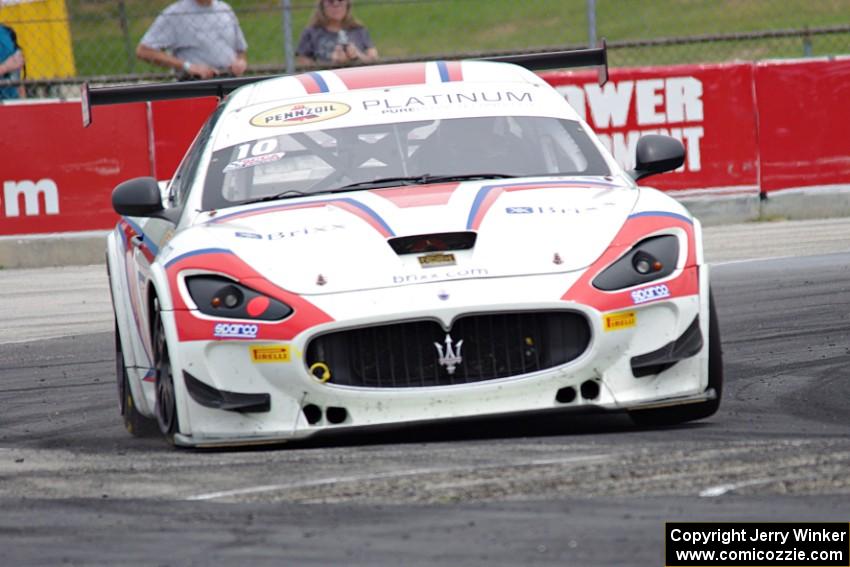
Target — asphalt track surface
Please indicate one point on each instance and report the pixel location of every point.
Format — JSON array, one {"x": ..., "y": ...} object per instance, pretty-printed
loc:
[{"x": 75, "y": 488}]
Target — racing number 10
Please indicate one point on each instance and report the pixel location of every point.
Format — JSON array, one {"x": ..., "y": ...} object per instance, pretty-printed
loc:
[{"x": 261, "y": 147}]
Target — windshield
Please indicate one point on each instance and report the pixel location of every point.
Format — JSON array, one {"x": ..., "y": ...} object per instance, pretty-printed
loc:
[{"x": 316, "y": 161}]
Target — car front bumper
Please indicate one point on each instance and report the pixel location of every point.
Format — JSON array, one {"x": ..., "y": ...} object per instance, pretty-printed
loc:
[{"x": 228, "y": 365}]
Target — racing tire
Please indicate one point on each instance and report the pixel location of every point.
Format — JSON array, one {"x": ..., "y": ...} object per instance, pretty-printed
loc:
[
  {"x": 166, "y": 401},
  {"x": 135, "y": 423},
  {"x": 690, "y": 412}
]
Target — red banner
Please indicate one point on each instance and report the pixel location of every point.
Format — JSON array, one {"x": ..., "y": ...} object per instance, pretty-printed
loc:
[
  {"x": 56, "y": 175},
  {"x": 709, "y": 108},
  {"x": 175, "y": 123},
  {"x": 745, "y": 127},
  {"x": 803, "y": 119}
]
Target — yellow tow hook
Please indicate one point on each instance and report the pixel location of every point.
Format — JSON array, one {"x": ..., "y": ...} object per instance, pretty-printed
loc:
[{"x": 326, "y": 372}]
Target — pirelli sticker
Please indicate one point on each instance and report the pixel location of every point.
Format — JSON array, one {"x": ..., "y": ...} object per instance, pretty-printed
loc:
[
  {"x": 300, "y": 113},
  {"x": 276, "y": 353},
  {"x": 619, "y": 321}
]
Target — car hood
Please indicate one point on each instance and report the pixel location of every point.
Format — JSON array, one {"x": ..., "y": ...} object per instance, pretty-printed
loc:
[{"x": 336, "y": 243}]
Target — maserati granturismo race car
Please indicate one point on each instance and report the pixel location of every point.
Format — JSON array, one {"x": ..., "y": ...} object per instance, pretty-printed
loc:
[{"x": 399, "y": 244}]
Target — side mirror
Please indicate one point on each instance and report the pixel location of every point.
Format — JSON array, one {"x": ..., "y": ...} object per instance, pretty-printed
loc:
[
  {"x": 141, "y": 197},
  {"x": 657, "y": 154}
]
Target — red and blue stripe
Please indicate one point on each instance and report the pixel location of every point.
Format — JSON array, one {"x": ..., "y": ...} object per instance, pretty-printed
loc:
[
  {"x": 488, "y": 195},
  {"x": 352, "y": 206},
  {"x": 450, "y": 71},
  {"x": 313, "y": 83}
]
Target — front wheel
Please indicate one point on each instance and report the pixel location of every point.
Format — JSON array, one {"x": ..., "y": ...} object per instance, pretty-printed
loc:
[
  {"x": 691, "y": 412},
  {"x": 166, "y": 401},
  {"x": 137, "y": 424}
]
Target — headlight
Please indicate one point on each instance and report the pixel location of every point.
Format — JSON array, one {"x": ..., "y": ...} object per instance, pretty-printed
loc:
[
  {"x": 221, "y": 297},
  {"x": 651, "y": 259}
]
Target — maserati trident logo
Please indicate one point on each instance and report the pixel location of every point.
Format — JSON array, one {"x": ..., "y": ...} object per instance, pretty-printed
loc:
[{"x": 450, "y": 358}]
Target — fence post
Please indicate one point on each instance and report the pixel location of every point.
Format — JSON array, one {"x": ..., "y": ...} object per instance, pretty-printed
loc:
[
  {"x": 807, "y": 42},
  {"x": 125, "y": 32},
  {"x": 288, "y": 50},
  {"x": 591, "y": 23}
]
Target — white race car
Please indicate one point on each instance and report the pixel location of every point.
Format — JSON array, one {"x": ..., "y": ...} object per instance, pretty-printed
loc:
[{"x": 386, "y": 245}]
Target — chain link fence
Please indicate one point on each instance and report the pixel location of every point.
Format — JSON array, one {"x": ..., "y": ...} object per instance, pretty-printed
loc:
[{"x": 75, "y": 40}]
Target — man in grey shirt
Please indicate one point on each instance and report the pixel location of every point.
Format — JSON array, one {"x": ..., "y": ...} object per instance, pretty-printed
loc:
[{"x": 203, "y": 37}]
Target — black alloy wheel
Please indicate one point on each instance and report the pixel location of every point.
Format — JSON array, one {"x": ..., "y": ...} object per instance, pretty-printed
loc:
[
  {"x": 136, "y": 424},
  {"x": 166, "y": 401}
]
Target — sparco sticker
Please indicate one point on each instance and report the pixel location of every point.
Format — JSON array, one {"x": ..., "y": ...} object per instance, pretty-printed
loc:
[
  {"x": 300, "y": 113},
  {"x": 235, "y": 331},
  {"x": 650, "y": 293}
]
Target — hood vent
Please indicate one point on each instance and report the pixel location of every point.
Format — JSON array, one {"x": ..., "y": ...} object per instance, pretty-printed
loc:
[{"x": 437, "y": 242}]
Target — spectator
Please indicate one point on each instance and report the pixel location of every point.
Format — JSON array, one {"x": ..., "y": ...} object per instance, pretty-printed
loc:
[
  {"x": 335, "y": 36},
  {"x": 203, "y": 37},
  {"x": 11, "y": 63}
]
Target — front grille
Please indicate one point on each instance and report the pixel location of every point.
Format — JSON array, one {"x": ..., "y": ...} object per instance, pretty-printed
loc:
[{"x": 404, "y": 355}]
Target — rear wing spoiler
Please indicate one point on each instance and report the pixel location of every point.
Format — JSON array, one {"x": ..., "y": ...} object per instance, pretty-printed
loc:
[
  {"x": 592, "y": 57},
  {"x": 159, "y": 91},
  {"x": 595, "y": 56}
]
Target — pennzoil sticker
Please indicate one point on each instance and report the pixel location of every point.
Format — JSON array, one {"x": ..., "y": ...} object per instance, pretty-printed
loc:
[
  {"x": 260, "y": 354},
  {"x": 434, "y": 260},
  {"x": 300, "y": 113},
  {"x": 621, "y": 320},
  {"x": 252, "y": 161}
]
